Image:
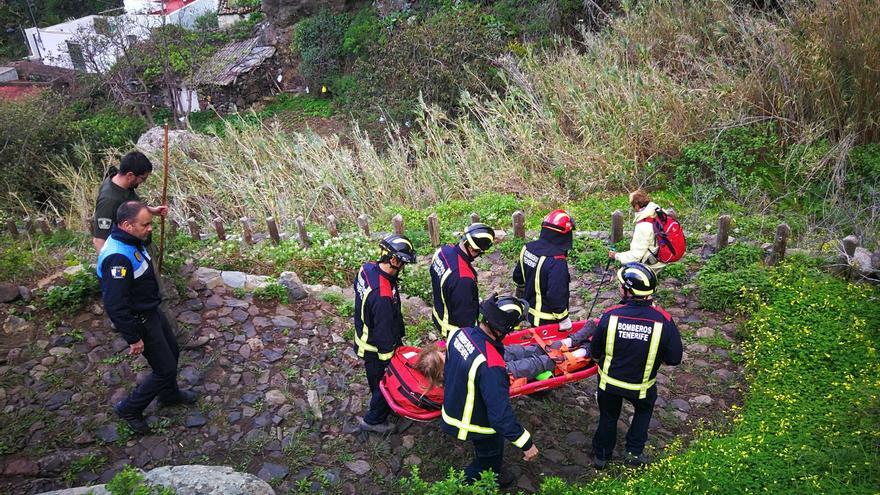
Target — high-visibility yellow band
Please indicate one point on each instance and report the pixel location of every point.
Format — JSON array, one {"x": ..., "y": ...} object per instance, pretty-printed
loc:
[
  {"x": 548, "y": 316},
  {"x": 647, "y": 383},
  {"x": 643, "y": 387},
  {"x": 464, "y": 427},
  {"x": 519, "y": 442},
  {"x": 471, "y": 398}
]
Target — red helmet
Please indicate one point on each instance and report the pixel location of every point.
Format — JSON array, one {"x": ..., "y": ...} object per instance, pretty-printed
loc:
[{"x": 558, "y": 221}]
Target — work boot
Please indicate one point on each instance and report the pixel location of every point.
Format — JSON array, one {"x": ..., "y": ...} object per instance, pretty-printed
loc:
[
  {"x": 599, "y": 463},
  {"x": 134, "y": 420},
  {"x": 632, "y": 460},
  {"x": 184, "y": 397},
  {"x": 381, "y": 428},
  {"x": 506, "y": 478}
]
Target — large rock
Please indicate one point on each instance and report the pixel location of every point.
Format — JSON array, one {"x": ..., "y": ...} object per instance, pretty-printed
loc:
[
  {"x": 15, "y": 325},
  {"x": 8, "y": 292},
  {"x": 236, "y": 280},
  {"x": 153, "y": 141},
  {"x": 861, "y": 261},
  {"x": 294, "y": 286},
  {"x": 207, "y": 277},
  {"x": 208, "y": 480}
]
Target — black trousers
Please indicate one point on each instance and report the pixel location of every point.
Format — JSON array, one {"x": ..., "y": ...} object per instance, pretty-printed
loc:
[
  {"x": 162, "y": 352},
  {"x": 609, "y": 412},
  {"x": 488, "y": 456},
  {"x": 379, "y": 408}
]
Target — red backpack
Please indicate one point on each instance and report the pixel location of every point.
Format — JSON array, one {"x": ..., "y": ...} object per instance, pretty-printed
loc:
[{"x": 669, "y": 235}]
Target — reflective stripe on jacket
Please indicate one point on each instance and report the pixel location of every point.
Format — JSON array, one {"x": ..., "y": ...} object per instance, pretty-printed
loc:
[
  {"x": 454, "y": 289},
  {"x": 545, "y": 282},
  {"x": 378, "y": 320},
  {"x": 476, "y": 390},
  {"x": 631, "y": 341}
]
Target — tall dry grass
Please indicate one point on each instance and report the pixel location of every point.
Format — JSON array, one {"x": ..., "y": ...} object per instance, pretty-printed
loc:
[{"x": 574, "y": 120}]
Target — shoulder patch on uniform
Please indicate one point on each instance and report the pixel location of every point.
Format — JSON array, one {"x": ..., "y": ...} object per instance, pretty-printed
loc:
[
  {"x": 118, "y": 271},
  {"x": 104, "y": 223},
  {"x": 464, "y": 269},
  {"x": 559, "y": 257},
  {"x": 137, "y": 256},
  {"x": 493, "y": 358},
  {"x": 385, "y": 287}
]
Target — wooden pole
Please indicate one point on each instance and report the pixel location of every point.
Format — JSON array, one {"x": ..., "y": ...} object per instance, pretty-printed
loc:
[
  {"x": 60, "y": 224},
  {"x": 44, "y": 226},
  {"x": 303, "y": 235},
  {"x": 519, "y": 224},
  {"x": 194, "y": 228},
  {"x": 29, "y": 225},
  {"x": 331, "y": 226},
  {"x": 13, "y": 229},
  {"x": 723, "y": 236},
  {"x": 90, "y": 224},
  {"x": 616, "y": 227},
  {"x": 218, "y": 226},
  {"x": 364, "y": 224},
  {"x": 778, "y": 253},
  {"x": 273, "y": 230},
  {"x": 434, "y": 229},
  {"x": 397, "y": 224},
  {"x": 164, "y": 203},
  {"x": 475, "y": 217},
  {"x": 247, "y": 232}
]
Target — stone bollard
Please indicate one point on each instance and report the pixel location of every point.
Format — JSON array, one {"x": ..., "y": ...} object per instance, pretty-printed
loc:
[
  {"x": 364, "y": 224},
  {"x": 12, "y": 228},
  {"x": 518, "y": 219},
  {"x": 218, "y": 227},
  {"x": 44, "y": 226},
  {"x": 247, "y": 232},
  {"x": 723, "y": 236},
  {"x": 273, "y": 230},
  {"x": 60, "y": 224},
  {"x": 397, "y": 224},
  {"x": 616, "y": 227},
  {"x": 194, "y": 228},
  {"x": 303, "y": 235},
  {"x": 434, "y": 229},
  {"x": 778, "y": 253},
  {"x": 475, "y": 217},
  {"x": 331, "y": 226}
]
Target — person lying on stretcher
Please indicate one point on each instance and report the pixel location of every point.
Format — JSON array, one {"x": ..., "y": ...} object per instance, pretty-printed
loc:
[{"x": 523, "y": 361}]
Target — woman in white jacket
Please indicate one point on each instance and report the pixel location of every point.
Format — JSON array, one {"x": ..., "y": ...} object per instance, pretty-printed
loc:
[{"x": 643, "y": 247}]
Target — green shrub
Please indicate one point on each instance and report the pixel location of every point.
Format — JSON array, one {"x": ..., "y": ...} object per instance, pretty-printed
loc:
[
  {"x": 109, "y": 129},
  {"x": 272, "y": 292},
  {"x": 677, "y": 271},
  {"x": 130, "y": 481},
  {"x": 733, "y": 257},
  {"x": 364, "y": 33},
  {"x": 16, "y": 261},
  {"x": 452, "y": 485},
  {"x": 416, "y": 281},
  {"x": 319, "y": 42},
  {"x": 70, "y": 298},
  {"x": 734, "y": 279}
]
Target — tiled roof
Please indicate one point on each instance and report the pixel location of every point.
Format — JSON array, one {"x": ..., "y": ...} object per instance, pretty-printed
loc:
[{"x": 232, "y": 61}]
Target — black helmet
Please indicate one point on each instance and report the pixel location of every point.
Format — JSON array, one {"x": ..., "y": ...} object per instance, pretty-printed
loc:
[
  {"x": 504, "y": 313},
  {"x": 479, "y": 236},
  {"x": 399, "y": 246},
  {"x": 637, "y": 278}
]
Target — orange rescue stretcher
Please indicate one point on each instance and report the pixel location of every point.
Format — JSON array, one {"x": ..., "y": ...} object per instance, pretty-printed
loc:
[{"x": 409, "y": 394}]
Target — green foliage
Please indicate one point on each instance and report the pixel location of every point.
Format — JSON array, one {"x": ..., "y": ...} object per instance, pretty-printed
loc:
[
  {"x": 453, "y": 485},
  {"x": 734, "y": 279},
  {"x": 588, "y": 253},
  {"x": 130, "y": 481},
  {"x": 416, "y": 281},
  {"x": 182, "y": 49},
  {"x": 90, "y": 462},
  {"x": 244, "y": 29},
  {"x": 272, "y": 292},
  {"x": 450, "y": 51},
  {"x": 287, "y": 105},
  {"x": 364, "y": 33},
  {"x": 70, "y": 298},
  {"x": 207, "y": 22},
  {"x": 108, "y": 128},
  {"x": 16, "y": 261},
  {"x": 737, "y": 161},
  {"x": 677, "y": 271},
  {"x": 319, "y": 42}
]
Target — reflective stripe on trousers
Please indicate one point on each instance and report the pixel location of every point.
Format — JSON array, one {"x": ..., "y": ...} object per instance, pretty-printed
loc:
[{"x": 647, "y": 382}]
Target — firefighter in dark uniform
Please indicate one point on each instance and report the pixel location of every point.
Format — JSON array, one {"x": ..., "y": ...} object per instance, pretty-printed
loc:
[
  {"x": 378, "y": 322},
  {"x": 131, "y": 299},
  {"x": 454, "y": 280},
  {"x": 541, "y": 276},
  {"x": 476, "y": 394},
  {"x": 632, "y": 340},
  {"x": 117, "y": 188}
]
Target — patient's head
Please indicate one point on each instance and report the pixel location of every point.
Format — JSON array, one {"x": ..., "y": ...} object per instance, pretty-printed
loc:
[{"x": 431, "y": 362}]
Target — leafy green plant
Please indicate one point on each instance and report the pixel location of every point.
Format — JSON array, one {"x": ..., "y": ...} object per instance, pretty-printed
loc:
[
  {"x": 130, "y": 481},
  {"x": 70, "y": 298},
  {"x": 90, "y": 462},
  {"x": 416, "y": 281},
  {"x": 319, "y": 42},
  {"x": 273, "y": 291},
  {"x": 108, "y": 128}
]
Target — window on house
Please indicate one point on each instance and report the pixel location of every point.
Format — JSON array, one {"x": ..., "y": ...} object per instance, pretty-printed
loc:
[{"x": 76, "y": 55}]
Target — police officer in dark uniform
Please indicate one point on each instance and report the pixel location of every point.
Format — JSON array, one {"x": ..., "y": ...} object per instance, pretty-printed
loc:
[
  {"x": 632, "y": 340},
  {"x": 131, "y": 299},
  {"x": 117, "y": 188},
  {"x": 454, "y": 280},
  {"x": 541, "y": 276},
  {"x": 378, "y": 322},
  {"x": 476, "y": 394}
]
